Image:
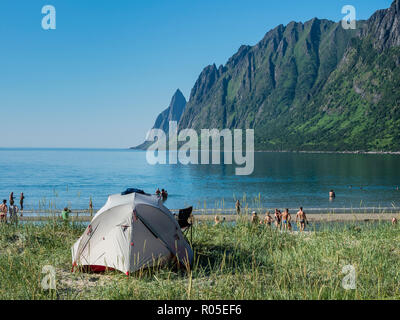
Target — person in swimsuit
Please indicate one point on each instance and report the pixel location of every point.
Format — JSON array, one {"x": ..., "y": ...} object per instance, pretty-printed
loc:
[
  {"x": 21, "y": 202},
  {"x": 286, "y": 218},
  {"x": 268, "y": 219},
  {"x": 278, "y": 218},
  {"x": 301, "y": 215},
  {"x": 3, "y": 211},
  {"x": 237, "y": 206}
]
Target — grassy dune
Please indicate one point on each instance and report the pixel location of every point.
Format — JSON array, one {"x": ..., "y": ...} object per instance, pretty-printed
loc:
[{"x": 231, "y": 262}]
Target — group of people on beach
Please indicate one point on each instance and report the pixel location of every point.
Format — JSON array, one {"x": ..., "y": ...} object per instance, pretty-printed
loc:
[
  {"x": 282, "y": 221},
  {"x": 11, "y": 209}
]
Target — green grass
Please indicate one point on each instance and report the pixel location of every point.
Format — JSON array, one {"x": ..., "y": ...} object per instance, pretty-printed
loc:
[{"x": 231, "y": 262}]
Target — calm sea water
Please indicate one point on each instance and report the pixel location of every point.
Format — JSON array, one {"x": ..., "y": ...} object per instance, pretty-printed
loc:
[{"x": 70, "y": 177}]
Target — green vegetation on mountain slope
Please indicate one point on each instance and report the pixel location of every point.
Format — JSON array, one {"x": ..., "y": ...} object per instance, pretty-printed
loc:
[{"x": 311, "y": 86}]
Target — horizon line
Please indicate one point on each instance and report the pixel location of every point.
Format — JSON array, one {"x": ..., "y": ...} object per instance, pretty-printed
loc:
[{"x": 65, "y": 148}]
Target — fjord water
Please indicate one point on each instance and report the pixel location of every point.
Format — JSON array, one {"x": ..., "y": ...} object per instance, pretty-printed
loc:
[{"x": 69, "y": 177}]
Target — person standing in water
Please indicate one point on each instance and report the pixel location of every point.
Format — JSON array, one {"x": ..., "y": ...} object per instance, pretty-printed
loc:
[
  {"x": 332, "y": 195},
  {"x": 164, "y": 194},
  {"x": 286, "y": 218},
  {"x": 237, "y": 206},
  {"x": 91, "y": 207},
  {"x": 301, "y": 216},
  {"x": 278, "y": 218},
  {"x": 21, "y": 202}
]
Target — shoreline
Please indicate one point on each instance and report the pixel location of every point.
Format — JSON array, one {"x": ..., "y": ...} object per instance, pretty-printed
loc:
[
  {"x": 301, "y": 151},
  {"x": 333, "y": 152},
  {"x": 312, "y": 217}
]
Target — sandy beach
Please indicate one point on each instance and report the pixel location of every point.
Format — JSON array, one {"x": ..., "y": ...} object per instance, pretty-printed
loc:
[{"x": 314, "y": 217}]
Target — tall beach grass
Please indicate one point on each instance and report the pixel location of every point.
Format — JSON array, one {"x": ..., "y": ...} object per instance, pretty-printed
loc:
[{"x": 237, "y": 261}]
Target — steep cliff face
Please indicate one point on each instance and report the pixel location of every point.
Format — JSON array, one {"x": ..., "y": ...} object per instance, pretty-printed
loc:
[
  {"x": 311, "y": 86},
  {"x": 359, "y": 106},
  {"x": 263, "y": 82},
  {"x": 172, "y": 113},
  {"x": 384, "y": 27}
]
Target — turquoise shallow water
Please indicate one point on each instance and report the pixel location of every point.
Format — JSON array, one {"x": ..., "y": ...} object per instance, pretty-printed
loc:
[{"x": 71, "y": 176}]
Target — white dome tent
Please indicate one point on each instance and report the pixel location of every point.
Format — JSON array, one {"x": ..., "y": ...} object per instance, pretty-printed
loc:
[{"x": 132, "y": 231}]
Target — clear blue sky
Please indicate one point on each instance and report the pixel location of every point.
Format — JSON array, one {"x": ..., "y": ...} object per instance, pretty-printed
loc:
[{"x": 101, "y": 78}]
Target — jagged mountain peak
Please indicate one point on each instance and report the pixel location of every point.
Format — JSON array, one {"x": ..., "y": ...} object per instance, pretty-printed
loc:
[
  {"x": 384, "y": 27},
  {"x": 177, "y": 105},
  {"x": 172, "y": 113},
  {"x": 178, "y": 94},
  {"x": 307, "y": 86},
  {"x": 206, "y": 80},
  {"x": 290, "y": 87}
]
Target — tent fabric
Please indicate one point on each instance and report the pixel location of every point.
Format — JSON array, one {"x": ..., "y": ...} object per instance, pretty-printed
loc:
[
  {"x": 131, "y": 232},
  {"x": 132, "y": 190}
]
